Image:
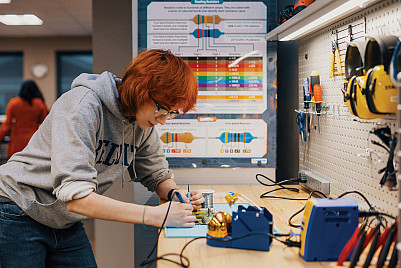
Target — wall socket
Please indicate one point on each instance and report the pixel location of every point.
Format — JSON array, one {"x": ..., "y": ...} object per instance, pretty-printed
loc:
[{"x": 314, "y": 182}]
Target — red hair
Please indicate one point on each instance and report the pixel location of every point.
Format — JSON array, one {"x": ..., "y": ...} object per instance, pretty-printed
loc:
[{"x": 159, "y": 74}]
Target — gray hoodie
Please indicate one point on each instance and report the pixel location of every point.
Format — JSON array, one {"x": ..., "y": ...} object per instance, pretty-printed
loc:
[{"x": 85, "y": 144}]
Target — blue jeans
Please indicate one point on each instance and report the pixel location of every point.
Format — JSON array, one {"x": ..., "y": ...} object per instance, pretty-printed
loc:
[{"x": 26, "y": 243}]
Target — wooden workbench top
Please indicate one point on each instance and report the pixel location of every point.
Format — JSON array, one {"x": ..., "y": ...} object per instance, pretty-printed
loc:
[{"x": 202, "y": 255}]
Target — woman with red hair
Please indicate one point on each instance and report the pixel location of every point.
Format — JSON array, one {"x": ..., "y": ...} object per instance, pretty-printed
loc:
[{"x": 95, "y": 132}]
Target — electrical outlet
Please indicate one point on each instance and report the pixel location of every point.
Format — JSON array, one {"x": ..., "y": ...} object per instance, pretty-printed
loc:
[{"x": 314, "y": 182}]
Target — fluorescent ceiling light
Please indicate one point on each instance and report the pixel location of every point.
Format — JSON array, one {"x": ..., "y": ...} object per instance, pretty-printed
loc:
[
  {"x": 5, "y": 1},
  {"x": 26, "y": 19},
  {"x": 335, "y": 13}
]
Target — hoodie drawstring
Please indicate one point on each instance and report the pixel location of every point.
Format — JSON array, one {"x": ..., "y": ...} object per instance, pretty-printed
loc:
[{"x": 122, "y": 156}]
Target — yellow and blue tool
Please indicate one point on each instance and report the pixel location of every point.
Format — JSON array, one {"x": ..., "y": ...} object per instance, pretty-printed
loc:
[
  {"x": 327, "y": 225},
  {"x": 247, "y": 228}
]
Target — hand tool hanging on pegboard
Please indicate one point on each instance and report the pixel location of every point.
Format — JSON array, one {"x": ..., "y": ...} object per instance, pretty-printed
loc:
[
  {"x": 335, "y": 61},
  {"x": 316, "y": 91},
  {"x": 304, "y": 129}
]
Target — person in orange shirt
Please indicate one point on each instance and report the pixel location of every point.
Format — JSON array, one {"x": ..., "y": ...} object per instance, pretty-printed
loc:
[{"x": 24, "y": 114}]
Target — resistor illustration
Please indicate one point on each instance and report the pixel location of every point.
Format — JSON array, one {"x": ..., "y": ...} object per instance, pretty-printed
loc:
[
  {"x": 199, "y": 19},
  {"x": 199, "y": 33},
  {"x": 227, "y": 137},
  {"x": 168, "y": 137}
]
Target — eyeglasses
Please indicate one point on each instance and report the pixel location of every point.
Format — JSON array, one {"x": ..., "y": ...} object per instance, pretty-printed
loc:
[{"x": 162, "y": 111}]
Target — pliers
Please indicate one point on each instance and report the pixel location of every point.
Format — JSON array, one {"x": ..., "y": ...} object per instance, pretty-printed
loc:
[{"x": 335, "y": 61}]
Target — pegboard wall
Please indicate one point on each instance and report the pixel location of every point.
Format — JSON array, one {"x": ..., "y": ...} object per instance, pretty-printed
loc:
[{"x": 339, "y": 147}]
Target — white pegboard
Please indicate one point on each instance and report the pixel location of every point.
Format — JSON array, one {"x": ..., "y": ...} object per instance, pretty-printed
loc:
[{"x": 333, "y": 152}]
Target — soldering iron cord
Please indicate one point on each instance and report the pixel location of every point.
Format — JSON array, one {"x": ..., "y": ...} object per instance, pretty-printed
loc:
[{"x": 147, "y": 261}]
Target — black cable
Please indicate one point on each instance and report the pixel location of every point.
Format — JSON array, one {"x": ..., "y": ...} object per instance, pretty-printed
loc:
[
  {"x": 147, "y": 261},
  {"x": 356, "y": 192},
  {"x": 374, "y": 213},
  {"x": 299, "y": 211},
  {"x": 265, "y": 195},
  {"x": 380, "y": 145}
]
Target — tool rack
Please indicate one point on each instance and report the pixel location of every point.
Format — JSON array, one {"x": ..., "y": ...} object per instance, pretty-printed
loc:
[{"x": 342, "y": 151}]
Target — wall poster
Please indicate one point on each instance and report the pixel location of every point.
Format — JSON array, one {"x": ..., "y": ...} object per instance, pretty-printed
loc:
[{"x": 234, "y": 124}]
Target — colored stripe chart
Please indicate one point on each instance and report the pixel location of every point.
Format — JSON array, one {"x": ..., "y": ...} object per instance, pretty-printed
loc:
[
  {"x": 226, "y": 88},
  {"x": 241, "y": 138},
  {"x": 215, "y": 74}
]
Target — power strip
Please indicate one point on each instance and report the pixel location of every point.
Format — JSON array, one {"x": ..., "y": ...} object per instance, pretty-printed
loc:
[{"x": 314, "y": 182}]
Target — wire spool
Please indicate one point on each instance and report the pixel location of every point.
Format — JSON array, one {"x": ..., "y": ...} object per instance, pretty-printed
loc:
[{"x": 208, "y": 195}]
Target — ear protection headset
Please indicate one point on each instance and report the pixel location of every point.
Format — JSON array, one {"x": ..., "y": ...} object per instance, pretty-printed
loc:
[
  {"x": 381, "y": 94},
  {"x": 353, "y": 68},
  {"x": 355, "y": 74}
]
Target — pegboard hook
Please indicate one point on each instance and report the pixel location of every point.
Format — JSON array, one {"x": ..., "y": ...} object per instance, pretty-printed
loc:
[{"x": 350, "y": 34}]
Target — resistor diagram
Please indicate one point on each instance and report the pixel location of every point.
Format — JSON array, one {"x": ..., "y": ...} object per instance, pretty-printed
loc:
[
  {"x": 199, "y": 19},
  {"x": 227, "y": 137},
  {"x": 199, "y": 33},
  {"x": 234, "y": 139}
]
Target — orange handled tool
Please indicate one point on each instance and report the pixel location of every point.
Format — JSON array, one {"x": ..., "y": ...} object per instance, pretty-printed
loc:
[{"x": 316, "y": 93}]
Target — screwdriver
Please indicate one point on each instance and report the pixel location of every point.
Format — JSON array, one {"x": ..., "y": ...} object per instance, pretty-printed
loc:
[
  {"x": 307, "y": 100},
  {"x": 303, "y": 129},
  {"x": 316, "y": 94}
]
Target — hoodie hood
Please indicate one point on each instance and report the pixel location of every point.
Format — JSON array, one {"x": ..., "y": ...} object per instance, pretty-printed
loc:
[{"x": 101, "y": 84}]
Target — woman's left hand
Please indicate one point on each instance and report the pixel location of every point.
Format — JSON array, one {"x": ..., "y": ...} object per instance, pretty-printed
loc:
[{"x": 196, "y": 198}]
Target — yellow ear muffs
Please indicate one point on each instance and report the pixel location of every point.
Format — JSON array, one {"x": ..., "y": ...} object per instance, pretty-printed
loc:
[
  {"x": 381, "y": 94},
  {"x": 379, "y": 51},
  {"x": 354, "y": 66},
  {"x": 354, "y": 59},
  {"x": 359, "y": 100},
  {"x": 349, "y": 96}
]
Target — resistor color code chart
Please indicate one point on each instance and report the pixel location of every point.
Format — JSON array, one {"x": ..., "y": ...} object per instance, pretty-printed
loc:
[
  {"x": 215, "y": 74},
  {"x": 222, "y": 86},
  {"x": 220, "y": 138},
  {"x": 234, "y": 120},
  {"x": 210, "y": 38}
]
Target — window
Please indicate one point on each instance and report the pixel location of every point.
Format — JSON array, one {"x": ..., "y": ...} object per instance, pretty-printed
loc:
[
  {"x": 69, "y": 66},
  {"x": 11, "y": 77}
]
